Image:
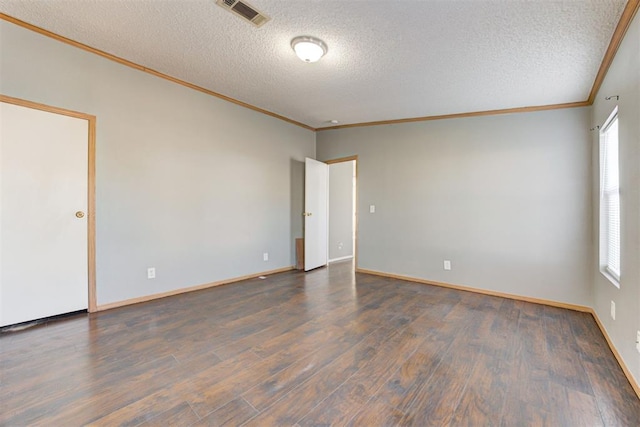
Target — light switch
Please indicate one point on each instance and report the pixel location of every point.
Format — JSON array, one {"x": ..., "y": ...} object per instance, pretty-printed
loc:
[{"x": 372, "y": 208}]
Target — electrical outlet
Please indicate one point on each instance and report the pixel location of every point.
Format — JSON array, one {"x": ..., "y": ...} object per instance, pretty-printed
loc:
[
  {"x": 265, "y": 256},
  {"x": 151, "y": 273},
  {"x": 447, "y": 264},
  {"x": 613, "y": 310},
  {"x": 372, "y": 208},
  {"x": 638, "y": 341}
]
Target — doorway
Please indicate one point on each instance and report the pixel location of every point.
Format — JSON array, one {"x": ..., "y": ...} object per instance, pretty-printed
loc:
[
  {"x": 320, "y": 246},
  {"x": 342, "y": 209},
  {"x": 47, "y": 221}
]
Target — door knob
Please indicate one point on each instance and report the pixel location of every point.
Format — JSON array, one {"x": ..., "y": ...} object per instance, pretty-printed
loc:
[{"x": 79, "y": 214}]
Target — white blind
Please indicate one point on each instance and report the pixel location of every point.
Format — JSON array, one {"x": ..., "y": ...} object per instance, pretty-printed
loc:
[{"x": 610, "y": 197}]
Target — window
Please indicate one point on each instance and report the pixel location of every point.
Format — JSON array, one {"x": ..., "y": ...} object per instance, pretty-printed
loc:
[{"x": 610, "y": 200}]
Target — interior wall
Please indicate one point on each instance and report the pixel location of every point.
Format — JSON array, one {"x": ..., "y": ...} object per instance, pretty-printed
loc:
[
  {"x": 192, "y": 185},
  {"x": 505, "y": 198},
  {"x": 623, "y": 79},
  {"x": 341, "y": 210}
]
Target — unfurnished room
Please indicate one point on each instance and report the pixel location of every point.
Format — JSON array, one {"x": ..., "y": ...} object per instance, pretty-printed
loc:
[{"x": 320, "y": 212}]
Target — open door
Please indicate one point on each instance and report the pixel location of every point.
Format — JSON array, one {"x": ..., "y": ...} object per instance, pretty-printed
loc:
[{"x": 316, "y": 233}]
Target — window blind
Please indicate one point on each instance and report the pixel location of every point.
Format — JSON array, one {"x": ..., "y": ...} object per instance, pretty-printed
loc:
[{"x": 610, "y": 198}]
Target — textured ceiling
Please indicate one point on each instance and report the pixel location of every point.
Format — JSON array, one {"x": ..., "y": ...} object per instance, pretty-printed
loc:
[{"x": 387, "y": 59}]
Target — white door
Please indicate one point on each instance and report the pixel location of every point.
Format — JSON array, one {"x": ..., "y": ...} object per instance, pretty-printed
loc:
[
  {"x": 316, "y": 176},
  {"x": 43, "y": 221}
]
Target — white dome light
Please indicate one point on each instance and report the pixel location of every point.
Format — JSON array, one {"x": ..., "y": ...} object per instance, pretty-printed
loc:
[{"x": 309, "y": 49}]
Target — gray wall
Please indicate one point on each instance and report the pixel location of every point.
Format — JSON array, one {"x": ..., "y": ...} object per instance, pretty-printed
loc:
[
  {"x": 506, "y": 198},
  {"x": 623, "y": 79},
  {"x": 341, "y": 210},
  {"x": 190, "y": 184}
]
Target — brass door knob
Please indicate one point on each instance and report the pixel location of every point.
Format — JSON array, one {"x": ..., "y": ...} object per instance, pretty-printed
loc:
[{"x": 79, "y": 214}]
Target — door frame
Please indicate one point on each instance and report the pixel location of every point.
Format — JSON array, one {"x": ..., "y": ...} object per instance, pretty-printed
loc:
[
  {"x": 342, "y": 160},
  {"x": 91, "y": 184}
]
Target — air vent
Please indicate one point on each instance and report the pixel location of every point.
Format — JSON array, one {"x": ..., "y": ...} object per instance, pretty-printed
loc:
[{"x": 245, "y": 11}]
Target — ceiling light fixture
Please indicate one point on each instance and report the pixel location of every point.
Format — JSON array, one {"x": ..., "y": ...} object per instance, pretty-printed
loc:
[{"x": 309, "y": 49}]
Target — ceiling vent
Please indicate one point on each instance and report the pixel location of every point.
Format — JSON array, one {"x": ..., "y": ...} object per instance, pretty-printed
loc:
[{"x": 245, "y": 11}]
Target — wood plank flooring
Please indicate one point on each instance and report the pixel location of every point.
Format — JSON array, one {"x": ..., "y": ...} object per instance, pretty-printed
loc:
[{"x": 329, "y": 347}]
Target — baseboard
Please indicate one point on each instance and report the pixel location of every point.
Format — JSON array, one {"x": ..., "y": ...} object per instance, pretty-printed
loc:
[
  {"x": 340, "y": 259},
  {"x": 627, "y": 372},
  {"x": 581, "y": 308},
  {"x": 189, "y": 289},
  {"x": 551, "y": 303}
]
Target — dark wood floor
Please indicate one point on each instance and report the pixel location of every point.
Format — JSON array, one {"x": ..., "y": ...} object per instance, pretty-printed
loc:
[{"x": 325, "y": 347}]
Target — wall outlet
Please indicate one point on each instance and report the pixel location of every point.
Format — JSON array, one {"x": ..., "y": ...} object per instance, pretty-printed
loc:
[
  {"x": 638, "y": 341},
  {"x": 372, "y": 208},
  {"x": 151, "y": 273},
  {"x": 265, "y": 256},
  {"x": 613, "y": 310},
  {"x": 340, "y": 246},
  {"x": 447, "y": 264}
]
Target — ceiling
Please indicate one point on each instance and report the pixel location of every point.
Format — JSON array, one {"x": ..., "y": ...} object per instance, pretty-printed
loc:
[{"x": 387, "y": 60}]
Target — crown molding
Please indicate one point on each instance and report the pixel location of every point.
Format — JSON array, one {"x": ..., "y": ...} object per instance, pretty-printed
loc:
[
  {"x": 461, "y": 115},
  {"x": 627, "y": 16},
  {"x": 628, "y": 13},
  {"x": 151, "y": 71}
]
